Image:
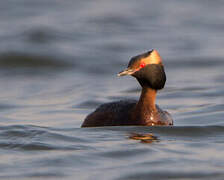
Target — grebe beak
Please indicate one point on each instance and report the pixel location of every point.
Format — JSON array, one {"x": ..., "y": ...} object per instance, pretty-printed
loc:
[{"x": 126, "y": 72}]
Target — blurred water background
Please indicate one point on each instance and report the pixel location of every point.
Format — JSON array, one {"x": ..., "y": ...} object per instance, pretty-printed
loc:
[{"x": 58, "y": 62}]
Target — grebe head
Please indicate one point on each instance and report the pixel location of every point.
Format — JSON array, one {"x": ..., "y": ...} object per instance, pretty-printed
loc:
[{"x": 148, "y": 69}]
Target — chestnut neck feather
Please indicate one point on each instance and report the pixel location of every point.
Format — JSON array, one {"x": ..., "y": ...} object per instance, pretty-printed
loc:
[
  {"x": 147, "y": 99},
  {"x": 146, "y": 107}
]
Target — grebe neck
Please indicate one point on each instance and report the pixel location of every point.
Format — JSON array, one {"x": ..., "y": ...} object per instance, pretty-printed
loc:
[
  {"x": 147, "y": 100},
  {"x": 145, "y": 109}
]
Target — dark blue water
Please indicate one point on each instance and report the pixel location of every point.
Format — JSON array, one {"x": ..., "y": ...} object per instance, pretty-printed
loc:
[{"x": 58, "y": 62}]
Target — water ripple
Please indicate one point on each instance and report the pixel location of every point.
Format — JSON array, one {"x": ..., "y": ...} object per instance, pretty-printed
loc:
[{"x": 21, "y": 60}]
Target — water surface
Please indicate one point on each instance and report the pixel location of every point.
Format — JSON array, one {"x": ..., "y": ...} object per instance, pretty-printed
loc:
[{"x": 58, "y": 62}]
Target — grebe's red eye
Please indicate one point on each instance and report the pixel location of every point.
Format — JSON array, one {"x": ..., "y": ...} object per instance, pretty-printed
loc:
[{"x": 142, "y": 65}]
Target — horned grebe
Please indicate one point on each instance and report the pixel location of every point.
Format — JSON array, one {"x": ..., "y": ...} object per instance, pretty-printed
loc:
[{"x": 148, "y": 69}]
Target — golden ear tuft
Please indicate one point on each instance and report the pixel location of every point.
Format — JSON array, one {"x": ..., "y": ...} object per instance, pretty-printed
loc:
[{"x": 155, "y": 58}]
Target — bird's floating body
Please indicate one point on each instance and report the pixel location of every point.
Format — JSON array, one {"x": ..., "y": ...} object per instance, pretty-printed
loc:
[{"x": 148, "y": 69}]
